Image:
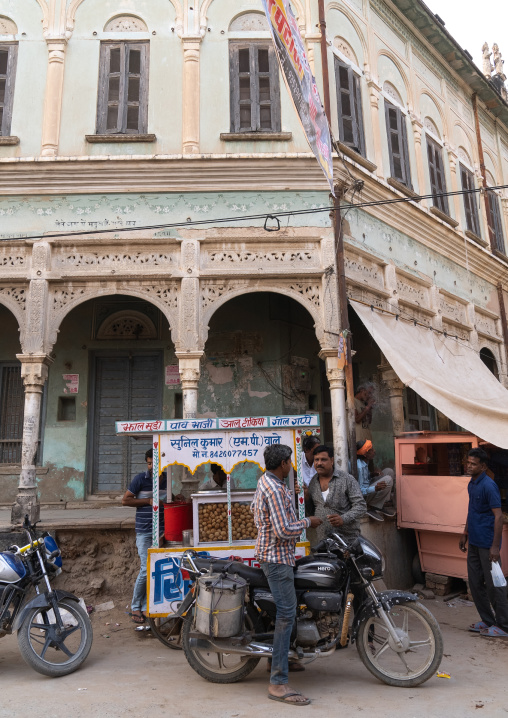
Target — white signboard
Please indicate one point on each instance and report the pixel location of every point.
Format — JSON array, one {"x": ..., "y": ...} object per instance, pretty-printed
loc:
[
  {"x": 172, "y": 375},
  {"x": 167, "y": 584},
  {"x": 227, "y": 448},
  {"x": 71, "y": 383}
]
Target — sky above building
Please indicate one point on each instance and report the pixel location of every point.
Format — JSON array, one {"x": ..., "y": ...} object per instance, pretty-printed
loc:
[{"x": 472, "y": 23}]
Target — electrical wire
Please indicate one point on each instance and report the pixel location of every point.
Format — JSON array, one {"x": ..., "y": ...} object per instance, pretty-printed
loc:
[{"x": 261, "y": 216}]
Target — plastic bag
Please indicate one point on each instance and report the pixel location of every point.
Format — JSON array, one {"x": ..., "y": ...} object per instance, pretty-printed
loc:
[{"x": 497, "y": 575}]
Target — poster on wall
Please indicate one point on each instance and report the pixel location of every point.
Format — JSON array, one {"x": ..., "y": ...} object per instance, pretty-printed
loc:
[
  {"x": 300, "y": 82},
  {"x": 172, "y": 375},
  {"x": 71, "y": 383},
  {"x": 167, "y": 584}
]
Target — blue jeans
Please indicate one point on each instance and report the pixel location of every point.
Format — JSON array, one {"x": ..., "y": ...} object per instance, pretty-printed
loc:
[
  {"x": 282, "y": 586},
  {"x": 143, "y": 543}
]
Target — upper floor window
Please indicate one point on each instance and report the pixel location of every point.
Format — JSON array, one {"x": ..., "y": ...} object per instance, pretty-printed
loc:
[
  {"x": 470, "y": 206},
  {"x": 254, "y": 87},
  {"x": 495, "y": 223},
  {"x": 397, "y": 144},
  {"x": 437, "y": 176},
  {"x": 349, "y": 107},
  {"x": 8, "y": 56},
  {"x": 122, "y": 106}
]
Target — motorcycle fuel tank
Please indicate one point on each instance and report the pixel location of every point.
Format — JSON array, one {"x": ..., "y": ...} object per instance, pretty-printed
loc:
[
  {"x": 11, "y": 568},
  {"x": 311, "y": 572}
]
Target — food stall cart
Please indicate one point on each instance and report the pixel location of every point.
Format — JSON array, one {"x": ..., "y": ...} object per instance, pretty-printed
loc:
[
  {"x": 432, "y": 497},
  {"x": 222, "y": 522}
]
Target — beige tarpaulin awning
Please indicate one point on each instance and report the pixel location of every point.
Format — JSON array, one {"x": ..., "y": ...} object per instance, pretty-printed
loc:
[{"x": 446, "y": 372}]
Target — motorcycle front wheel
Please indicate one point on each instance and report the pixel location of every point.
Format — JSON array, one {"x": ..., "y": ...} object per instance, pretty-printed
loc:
[
  {"x": 416, "y": 660},
  {"x": 216, "y": 667},
  {"x": 168, "y": 630},
  {"x": 51, "y": 651}
]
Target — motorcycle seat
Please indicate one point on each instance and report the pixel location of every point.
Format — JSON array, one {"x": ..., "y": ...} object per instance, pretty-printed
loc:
[{"x": 255, "y": 576}]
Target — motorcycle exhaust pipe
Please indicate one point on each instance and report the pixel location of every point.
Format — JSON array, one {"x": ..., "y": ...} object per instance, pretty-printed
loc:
[{"x": 250, "y": 649}]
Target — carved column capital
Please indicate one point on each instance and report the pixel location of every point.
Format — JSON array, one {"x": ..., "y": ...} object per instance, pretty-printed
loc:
[{"x": 34, "y": 370}]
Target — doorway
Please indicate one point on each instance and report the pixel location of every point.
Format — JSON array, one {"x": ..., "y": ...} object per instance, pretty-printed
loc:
[{"x": 125, "y": 386}]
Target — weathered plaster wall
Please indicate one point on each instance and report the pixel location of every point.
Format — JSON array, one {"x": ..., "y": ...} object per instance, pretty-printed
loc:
[{"x": 82, "y": 75}]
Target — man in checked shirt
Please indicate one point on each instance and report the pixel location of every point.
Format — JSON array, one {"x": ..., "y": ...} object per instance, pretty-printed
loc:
[{"x": 278, "y": 532}]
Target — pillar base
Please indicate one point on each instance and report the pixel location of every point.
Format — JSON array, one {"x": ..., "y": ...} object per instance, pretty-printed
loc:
[{"x": 26, "y": 503}]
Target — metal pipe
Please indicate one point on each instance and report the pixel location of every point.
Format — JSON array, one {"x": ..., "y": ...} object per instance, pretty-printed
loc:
[{"x": 339, "y": 256}]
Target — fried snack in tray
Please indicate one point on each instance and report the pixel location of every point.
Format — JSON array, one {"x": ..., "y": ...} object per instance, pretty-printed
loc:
[{"x": 213, "y": 522}]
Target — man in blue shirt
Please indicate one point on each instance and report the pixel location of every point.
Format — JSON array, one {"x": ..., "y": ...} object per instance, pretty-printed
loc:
[
  {"x": 483, "y": 530},
  {"x": 140, "y": 495},
  {"x": 376, "y": 487}
]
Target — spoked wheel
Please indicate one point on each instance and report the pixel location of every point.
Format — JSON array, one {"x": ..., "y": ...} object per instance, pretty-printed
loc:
[
  {"x": 216, "y": 667},
  {"x": 52, "y": 651},
  {"x": 422, "y": 646},
  {"x": 168, "y": 630}
]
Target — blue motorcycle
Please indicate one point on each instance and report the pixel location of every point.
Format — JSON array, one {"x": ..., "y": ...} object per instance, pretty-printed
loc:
[{"x": 54, "y": 632}]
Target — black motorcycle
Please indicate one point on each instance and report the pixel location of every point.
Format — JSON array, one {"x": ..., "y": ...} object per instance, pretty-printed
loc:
[
  {"x": 398, "y": 639},
  {"x": 54, "y": 631}
]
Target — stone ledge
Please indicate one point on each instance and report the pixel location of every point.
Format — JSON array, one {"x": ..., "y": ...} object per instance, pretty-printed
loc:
[
  {"x": 444, "y": 217},
  {"x": 473, "y": 236},
  {"x": 256, "y": 136},
  {"x": 357, "y": 157},
  {"x": 403, "y": 189},
  {"x": 95, "y": 139},
  {"x": 9, "y": 140}
]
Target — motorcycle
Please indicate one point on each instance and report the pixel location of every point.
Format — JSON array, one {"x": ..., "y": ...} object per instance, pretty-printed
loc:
[
  {"x": 399, "y": 641},
  {"x": 54, "y": 631}
]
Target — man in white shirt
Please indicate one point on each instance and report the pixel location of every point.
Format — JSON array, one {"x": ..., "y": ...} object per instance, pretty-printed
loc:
[{"x": 309, "y": 443}]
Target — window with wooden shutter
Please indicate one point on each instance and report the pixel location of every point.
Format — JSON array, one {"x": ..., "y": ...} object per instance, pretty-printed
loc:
[
  {"x": 254, "y": 87},
  {"x": 12, "y": 402},
  {"x": 8, "y": 57},
  {"x": 122, "y": 106},
  {"x": 397, "y": 144},
  {"x": 470, "y": 200},
  {"x": 349, "y": 107},
  {"x": 437, "y": 176},
  {"x": 495, "y": 223}
]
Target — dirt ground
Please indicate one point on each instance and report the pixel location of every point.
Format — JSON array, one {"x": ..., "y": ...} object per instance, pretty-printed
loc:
[{"x": 130, "y": 673}]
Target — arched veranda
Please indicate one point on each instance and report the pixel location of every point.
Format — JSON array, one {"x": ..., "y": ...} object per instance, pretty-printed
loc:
[{"x": 113, "y": 359}]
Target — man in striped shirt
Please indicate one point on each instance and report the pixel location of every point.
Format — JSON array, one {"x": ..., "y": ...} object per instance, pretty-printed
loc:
[{"x": 278, "y": 532}]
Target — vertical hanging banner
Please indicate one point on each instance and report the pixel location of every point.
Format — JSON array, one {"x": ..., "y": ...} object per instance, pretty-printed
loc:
[{"x": 300, "y": 81}]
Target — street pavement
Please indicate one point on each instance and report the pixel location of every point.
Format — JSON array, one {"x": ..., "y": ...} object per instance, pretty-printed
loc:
[{"x": 130, "y": 673}]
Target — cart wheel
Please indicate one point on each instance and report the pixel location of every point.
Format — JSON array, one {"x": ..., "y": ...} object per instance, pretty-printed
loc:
[{"x": 168, "y": 631}]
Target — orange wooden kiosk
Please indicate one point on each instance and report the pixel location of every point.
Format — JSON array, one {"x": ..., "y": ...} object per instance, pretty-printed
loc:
[{"x": 432, "y": 497}]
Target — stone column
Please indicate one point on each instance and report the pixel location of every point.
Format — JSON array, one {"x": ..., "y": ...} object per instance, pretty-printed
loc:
[
  {"x": 190, "y": 372},
  {"x": 374, "y": 94},
  {"x": 34, "y": 371},
  {"x": 336, "y": 379},
  {"x": 190, "y": 105},
  {"x": 53, "y": 96},
  {"x": 395, "y": 393}
]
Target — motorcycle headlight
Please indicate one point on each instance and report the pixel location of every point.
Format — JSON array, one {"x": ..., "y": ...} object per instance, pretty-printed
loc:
[{"x": 370, "y": 557}]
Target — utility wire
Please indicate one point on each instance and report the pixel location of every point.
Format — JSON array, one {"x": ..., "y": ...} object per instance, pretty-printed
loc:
[{"x": 266, "y": 216}]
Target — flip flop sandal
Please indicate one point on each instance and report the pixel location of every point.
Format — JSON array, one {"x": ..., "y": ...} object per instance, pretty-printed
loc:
[
  {"x": 283, "y": 699},
  {"x": 493, "y": 632},
  {"x": 477, "y": 627},
  {"x": 138, "y": 619}
]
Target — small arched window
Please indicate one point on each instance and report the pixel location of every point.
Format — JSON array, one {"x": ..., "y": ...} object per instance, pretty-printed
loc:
[{"x": 489, "y": 360}]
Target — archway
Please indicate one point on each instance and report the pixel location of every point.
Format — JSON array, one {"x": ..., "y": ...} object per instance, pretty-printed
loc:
[
  {"x": 113, "y": 359},
  {"x": 489, "y": 360},
  {"x": 11, "y": 405},
  {"x": 262, "y": 358}
]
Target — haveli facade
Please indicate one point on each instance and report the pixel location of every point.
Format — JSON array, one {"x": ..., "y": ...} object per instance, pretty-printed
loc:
[{"x": 131, "y": 116}]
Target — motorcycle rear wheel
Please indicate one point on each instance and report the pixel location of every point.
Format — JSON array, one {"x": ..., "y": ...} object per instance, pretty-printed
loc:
[
  {"x": 168, "y": 630},
  {"x": 422, "y": 652},
  {"x": 48, "y": 652},
  {"x": 216, "y": 667}
]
